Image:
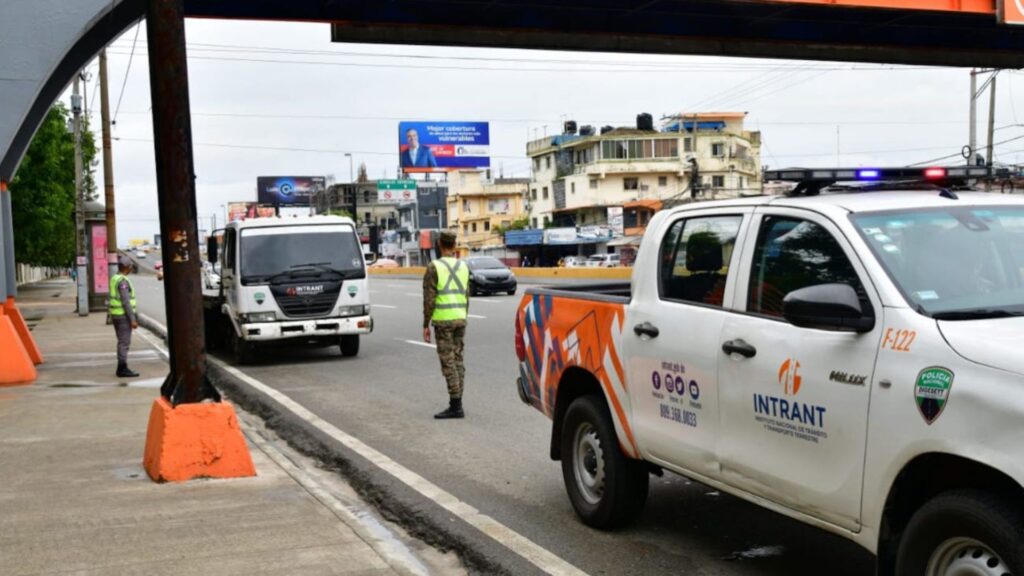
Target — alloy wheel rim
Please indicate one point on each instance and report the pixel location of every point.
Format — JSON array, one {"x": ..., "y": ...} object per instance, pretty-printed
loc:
[
  {"x": 965, "y": 557},
  {"x": 588, "y": 463}
]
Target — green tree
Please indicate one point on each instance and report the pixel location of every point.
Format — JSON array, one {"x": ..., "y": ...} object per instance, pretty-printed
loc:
[{"x": 43, "y": 193}]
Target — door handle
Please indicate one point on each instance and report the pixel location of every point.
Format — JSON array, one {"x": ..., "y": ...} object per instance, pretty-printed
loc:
[
  {"x": 646, "y": 329},
  {"x": 740, "y": 347}
]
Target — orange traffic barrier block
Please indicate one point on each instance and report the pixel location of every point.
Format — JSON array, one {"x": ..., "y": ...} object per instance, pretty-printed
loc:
[
  {"x": 16, "y": 365},
  {"x": 23, "y": 332},
  {"x": 195, "y": 441}
]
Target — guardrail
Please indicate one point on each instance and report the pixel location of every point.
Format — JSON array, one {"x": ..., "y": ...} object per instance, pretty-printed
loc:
[{"x": 620, "y": 273}]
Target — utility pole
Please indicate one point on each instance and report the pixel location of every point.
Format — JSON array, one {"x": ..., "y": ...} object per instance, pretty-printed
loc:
[
  {"x": 81, "y": 270},
  {"x": 972, "y": 140},
  {"x": 991, "y": 117},
  {"x": 108, "y": 168}
]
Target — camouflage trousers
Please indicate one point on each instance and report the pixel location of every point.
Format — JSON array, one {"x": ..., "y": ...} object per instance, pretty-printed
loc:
[{"x": 450, "y": 338}]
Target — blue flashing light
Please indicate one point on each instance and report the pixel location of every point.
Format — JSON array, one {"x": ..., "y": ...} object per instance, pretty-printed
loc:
[{"x": 867, "y": 174}]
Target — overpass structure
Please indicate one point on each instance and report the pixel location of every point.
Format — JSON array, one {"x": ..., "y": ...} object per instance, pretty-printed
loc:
[{"x": 44, "y": 43}]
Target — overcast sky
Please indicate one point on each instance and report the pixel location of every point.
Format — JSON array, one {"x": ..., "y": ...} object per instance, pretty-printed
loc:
[{"x": 281, "y": 99}]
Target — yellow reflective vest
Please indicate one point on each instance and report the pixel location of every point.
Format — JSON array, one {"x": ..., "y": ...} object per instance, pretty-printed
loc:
[
  {"x": 452, "y": 286},
  {"x": 116, "y": 306}
]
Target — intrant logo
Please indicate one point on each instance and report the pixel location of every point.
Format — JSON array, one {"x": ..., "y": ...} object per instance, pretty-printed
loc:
[
  {"x": 789, "y": 376},
  {"x": 305, "y": 290}
]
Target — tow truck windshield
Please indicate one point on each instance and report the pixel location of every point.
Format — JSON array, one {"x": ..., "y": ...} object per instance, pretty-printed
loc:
[
  {"x": 272, "y": 253},
  {"x": 963, "y": 263}
]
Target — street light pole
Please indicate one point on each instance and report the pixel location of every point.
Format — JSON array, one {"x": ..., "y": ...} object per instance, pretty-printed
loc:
[{"x": 81, "y": 270}]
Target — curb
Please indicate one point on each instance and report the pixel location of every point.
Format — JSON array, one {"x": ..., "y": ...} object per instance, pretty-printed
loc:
[{"x": 423, "y": 519}]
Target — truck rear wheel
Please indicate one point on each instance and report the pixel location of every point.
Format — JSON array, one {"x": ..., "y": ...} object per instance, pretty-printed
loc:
[
  {"x": 606, "y": 488},
  {"x": 350, "y": 345},
  {"x": 963, "y": 532}
]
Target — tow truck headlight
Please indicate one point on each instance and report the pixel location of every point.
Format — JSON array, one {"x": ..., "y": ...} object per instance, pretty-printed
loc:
[
  {"x": 258, "y": 317},
  {"x": 358, "y": 310}
]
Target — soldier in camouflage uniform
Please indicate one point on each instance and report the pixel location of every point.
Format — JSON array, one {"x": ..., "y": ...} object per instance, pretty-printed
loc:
[{"x": 446, "y": 306}]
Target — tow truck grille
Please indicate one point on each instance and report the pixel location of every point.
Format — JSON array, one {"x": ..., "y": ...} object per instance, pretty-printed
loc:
[{"x": 306, "y": 306}]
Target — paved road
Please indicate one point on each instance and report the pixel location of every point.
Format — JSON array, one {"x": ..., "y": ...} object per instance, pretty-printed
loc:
[{"x": 496, "y": 459}]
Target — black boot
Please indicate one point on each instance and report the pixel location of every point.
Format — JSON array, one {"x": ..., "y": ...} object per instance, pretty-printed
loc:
[
  {"x": 454, "y": 410},
  {"x": 124, "y": 372}
]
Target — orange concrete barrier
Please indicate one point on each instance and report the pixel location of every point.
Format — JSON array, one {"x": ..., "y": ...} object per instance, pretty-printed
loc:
[
  {"x": 16, "y": 365},
  {"x": 23, "y": 332},
  {"x": 195, "y": 441}
]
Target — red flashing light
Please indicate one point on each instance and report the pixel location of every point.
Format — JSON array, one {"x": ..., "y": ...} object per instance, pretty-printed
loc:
[{"x": 935, "y": 173}]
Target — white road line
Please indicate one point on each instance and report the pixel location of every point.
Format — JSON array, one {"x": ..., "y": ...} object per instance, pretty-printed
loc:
[
  {"x": 418, "y": 343},
  {"x": 481, "y": 300},
  {"x": 372, "y": 306},
  {"x": 517, "y": 543},
  {"x": 155, "y": 342},
  {"x": 534, "y": 553},
  {"x": 477, "y": 316}
]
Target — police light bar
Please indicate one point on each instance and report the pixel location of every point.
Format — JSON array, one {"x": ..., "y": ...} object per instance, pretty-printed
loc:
[{"x": 876, "y": 174}]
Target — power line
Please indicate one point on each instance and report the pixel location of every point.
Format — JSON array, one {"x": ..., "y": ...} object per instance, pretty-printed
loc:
[
  {"x": 960, "y": 155},
  {"x": 124, "y": 83}
]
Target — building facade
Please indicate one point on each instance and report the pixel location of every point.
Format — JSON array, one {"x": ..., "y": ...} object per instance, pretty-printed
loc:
[
  {"x": 480, "y": 208},
  {"x": 577, "y": 176}
]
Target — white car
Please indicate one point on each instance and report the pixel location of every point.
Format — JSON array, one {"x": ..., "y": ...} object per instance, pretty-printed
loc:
[
  {"x": 847, "y": 356},
  {"x": 603, "y": 261},
  {"x": 140, "y": 254}
]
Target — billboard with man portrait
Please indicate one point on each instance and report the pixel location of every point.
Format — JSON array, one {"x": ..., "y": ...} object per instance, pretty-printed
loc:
[{"x": 443, "y": 146}]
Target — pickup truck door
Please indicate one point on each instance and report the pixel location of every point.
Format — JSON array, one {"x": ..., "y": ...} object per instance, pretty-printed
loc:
[
  {"x": 794, "y": 401},
  {"x": 671, "y": 336}
]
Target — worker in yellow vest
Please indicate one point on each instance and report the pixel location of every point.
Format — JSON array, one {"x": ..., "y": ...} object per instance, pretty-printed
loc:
[
  {"x": 446, "y": 306},
  {"x": 123, "y": 314}
]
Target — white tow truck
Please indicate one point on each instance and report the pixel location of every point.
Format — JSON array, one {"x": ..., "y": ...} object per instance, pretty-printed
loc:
[
  {"x": 849, "y": 355},
  {"x": 300, "y": 280}
]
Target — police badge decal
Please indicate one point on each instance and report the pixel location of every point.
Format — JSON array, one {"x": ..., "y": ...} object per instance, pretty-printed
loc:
[{"x": 932, "y": 392}]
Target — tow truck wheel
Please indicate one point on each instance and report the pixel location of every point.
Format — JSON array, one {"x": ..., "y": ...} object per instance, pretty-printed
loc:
[
  {"x": 606, "y": 488},
  {"x": 968, "y": 533},
  {"x": 241, "y": 350},
  {"x": 350, "y": 345}
]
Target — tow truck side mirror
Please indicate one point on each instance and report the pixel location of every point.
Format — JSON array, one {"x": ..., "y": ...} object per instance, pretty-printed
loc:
[
  {"x": 211, "y": 248},
  {"x": 827, "y": 307}
]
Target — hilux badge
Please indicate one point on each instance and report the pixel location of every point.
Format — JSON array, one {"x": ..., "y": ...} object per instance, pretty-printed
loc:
[{"x": 932, "y": 392}]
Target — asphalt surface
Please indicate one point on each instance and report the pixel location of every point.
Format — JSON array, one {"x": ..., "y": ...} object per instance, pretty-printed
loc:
[{"x": 497, "y": 458}]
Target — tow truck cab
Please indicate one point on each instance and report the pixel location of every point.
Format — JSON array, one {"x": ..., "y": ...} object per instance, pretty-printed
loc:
[{"x": 296, "y": 279}]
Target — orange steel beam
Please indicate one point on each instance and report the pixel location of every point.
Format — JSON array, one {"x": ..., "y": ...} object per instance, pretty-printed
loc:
[{"x": 963, "y": 6}]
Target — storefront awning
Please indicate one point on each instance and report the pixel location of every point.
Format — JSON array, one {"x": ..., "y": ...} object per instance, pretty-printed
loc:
[
  {"x": 524, "y": 237},
  {"x": 625, "y": 241}
]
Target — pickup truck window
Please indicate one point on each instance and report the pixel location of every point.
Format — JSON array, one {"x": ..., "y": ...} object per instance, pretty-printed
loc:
[
  {"x": 791, "y": 254},
  {"x": 695, "y": 255}
]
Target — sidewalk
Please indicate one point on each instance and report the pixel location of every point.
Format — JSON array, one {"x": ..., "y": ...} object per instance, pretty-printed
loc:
[{"x": 74, "y": 498}]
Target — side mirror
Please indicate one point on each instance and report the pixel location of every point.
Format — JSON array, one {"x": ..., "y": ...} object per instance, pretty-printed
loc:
[
  {"x": 370, "y": 257},
  {"x": 827, "y": 307},
  {"x": 211, "y": 248}
]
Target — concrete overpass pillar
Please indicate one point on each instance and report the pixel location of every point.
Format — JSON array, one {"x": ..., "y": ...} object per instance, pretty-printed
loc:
[{"x": 16, "y": 365}]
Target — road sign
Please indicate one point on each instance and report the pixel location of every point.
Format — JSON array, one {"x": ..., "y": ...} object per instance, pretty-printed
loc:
[{"x": 396, "y": 191}]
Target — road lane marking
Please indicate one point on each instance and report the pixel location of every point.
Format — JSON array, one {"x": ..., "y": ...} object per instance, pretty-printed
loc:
[
  {"x": 477, "y": 316},
  {"x": 372, "y": 306},
  {"x": 418, "y": 343},
  {"x": 534, "y": 553}
]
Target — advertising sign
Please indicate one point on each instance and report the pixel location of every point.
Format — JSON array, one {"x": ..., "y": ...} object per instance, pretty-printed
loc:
[
  {"x": 560, "y": 236},
  {"x": 284, "y": 190},
  {"x": 243, "y": 210},
  {"x": 1011, "y": 12},
  {"x": 443, "y": 146},
  {"x": 100, "y": 272},
  {"x": 615, "y": 221},
  {"x": 396, "y": 191}
]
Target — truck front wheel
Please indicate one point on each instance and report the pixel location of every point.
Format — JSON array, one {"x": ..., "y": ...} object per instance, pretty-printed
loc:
[
  {"x": 963, "y": 532},
  {"x": 606, "y": 488},
  {"x": 350, "y": 345},
  {"x": 241, "y": 351}
]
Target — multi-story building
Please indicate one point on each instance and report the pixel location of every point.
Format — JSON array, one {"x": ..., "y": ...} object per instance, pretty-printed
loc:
[
  {"x": 578, "y": 176},
  {"x": 478, "y": 208}
]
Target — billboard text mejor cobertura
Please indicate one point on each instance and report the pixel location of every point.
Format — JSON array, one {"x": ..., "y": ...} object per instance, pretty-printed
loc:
[{"x": 442, "y": 146}]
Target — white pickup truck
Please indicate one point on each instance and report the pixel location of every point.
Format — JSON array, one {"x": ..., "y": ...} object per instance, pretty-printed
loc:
[
  {"x": 848, "y": 356},
  {"x": 298, "y": 280}
]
